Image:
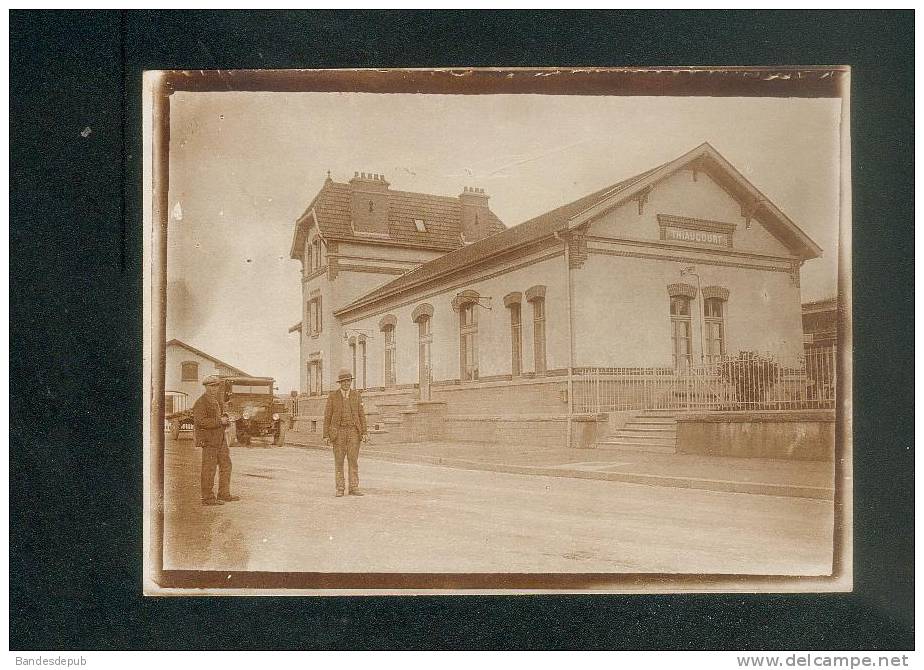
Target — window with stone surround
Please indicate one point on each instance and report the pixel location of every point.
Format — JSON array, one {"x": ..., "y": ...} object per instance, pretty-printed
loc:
[
  {"x": 189, "y": 371},
  {"x": 681, "y": 332},
  {"x": 714, "y": 323},
  {"x": 516, "y": 340},
  {"x": 315, "y": 317},
  {"x": 539, "y": 334},
  {"x": 315, "y": 378},
  {"x": 362, "y": 355},
  {"x": 468, "y": 341},
  {"x": 535, "y": 295},
  {"x": 388, "y": 332},
  {"x": 353, "y": 359}
]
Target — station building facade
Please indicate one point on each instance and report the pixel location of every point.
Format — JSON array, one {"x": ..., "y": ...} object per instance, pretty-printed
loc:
[{"x": 485, "y": 328}]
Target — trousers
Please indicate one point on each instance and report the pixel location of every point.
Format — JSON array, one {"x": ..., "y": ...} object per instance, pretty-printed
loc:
[
  {"x": 219, "y": 457},
  {"x": 346, "y": 444}
]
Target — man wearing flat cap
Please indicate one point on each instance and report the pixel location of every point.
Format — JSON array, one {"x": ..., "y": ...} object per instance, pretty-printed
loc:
[
  {"x": 345, "y": 426},
  {"x": 210, "y": 436}
]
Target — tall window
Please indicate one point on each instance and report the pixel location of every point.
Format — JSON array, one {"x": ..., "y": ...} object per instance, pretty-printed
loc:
[
  {"x": 315, "y": 378},
  {"x": 314, "y": 316},
  {"x": 389, "y": 333},
  {"x": 468, "y": 341},
  {"x": 680, "y": 332},
  {"x": 362, "y": 352},
  {"x": 516, "y": 341},
  {"x": 714, "y": 309},
  {"x": 424, "y": 339},
  {"x": 353, "y": 358},
  {"x": 316, "y": 248},
  {"x": 539, "y": 333},
  {"x": 189, "y": 371}
]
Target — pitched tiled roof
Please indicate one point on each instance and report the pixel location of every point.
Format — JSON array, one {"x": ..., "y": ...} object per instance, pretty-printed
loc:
[
  {"x": 560, "y": 218},
  {"x": 442, "y": 216},
  {"x": 217, "y": 362},
  {"x": 533, "y": 229}
]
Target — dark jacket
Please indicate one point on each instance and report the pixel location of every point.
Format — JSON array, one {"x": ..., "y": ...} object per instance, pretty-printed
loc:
[
  {"x": 335, "y": 408},
  {"x": 207, "y": 421}
]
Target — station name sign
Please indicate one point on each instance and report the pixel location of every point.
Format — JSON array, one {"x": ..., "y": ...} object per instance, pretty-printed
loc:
[{"x": 699, "y": 231}]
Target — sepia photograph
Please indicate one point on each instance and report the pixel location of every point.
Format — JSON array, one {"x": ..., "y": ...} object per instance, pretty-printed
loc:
[{"x": 497, "y": 330}]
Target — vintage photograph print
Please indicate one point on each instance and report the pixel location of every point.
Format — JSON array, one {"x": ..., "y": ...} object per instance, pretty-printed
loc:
[{"x": 497, "y": 330}]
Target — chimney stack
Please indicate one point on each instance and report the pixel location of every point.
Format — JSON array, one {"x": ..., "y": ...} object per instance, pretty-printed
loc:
[
  {"x": 475, "y": 213},
  {"x": 369, "y": 202}
]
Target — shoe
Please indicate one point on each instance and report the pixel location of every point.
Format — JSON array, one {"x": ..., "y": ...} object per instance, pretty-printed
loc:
[
  {"x": 211, "y": 501},
  {"x": 356, "y": 492},
  {"x": 229, "y": 498},
  {"x": 339, "y": 494}
]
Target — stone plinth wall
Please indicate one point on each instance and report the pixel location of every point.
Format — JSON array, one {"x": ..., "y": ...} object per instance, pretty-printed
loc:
[
  {"x": 797, "y": 435},
  {"x": 527, "y": 412},
  {"x": 529, "y": 396}
]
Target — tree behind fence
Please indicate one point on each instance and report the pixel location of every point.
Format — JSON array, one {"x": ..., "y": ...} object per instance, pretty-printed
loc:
[{"x": 747, "y": 381}]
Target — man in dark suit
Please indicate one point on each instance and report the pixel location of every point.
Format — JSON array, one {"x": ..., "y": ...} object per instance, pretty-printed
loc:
[
  {"x": 345, "y": 426},
  {"x": 210, "y": 436}
]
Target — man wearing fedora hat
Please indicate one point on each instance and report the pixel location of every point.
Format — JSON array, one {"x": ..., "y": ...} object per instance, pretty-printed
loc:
[
  {"x": 345, "y": 426},
  {"x": 210, "y": 425}
]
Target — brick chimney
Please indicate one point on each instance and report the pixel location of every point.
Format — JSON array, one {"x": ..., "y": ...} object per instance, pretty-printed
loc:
[
  {"x": 369, "y": 202},
  {"x": 474, "y": 214}
]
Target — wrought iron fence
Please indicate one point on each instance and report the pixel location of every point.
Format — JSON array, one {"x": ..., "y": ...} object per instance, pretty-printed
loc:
[{"x": 747, "y": 381}]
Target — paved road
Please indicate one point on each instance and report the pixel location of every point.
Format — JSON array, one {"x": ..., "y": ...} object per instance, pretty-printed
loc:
[{"x": 427, "y": 518}]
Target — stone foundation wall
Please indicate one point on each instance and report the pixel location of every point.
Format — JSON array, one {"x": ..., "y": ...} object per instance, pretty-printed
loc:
[
  {"x": 527, "y": 412},
  {"x": 544, "y": 395},
  {"x": 796, "y": 435},
  {"x": 508, "y": 429}
]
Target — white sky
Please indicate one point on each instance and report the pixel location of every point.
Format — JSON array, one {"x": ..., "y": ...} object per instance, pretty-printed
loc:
[{"x": 244, "y": 166}]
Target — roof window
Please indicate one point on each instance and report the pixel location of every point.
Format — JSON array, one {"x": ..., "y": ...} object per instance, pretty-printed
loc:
[{"x": 420, "y": 225}]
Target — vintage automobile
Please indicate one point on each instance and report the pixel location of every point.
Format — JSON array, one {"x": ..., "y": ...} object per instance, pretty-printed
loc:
[{"x": 251, "y": 406}]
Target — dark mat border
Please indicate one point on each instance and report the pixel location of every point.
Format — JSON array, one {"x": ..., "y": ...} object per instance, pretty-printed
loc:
[{"x": 75, "y": 331}]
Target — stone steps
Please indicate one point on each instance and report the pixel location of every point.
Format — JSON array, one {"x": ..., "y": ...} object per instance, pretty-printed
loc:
[{"x": 653, "y": 431}]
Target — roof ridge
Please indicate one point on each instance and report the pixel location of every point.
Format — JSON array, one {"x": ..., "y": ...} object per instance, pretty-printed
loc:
[
  {"x": 553, "y": 218},
  {"x": 205, "y": 355},
  {"x": 397, "y": 191},
  {"x": 450, "y": 198}
]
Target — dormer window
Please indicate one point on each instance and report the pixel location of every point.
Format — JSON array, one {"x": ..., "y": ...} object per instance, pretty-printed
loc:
[{"x": 420, "y": 225}]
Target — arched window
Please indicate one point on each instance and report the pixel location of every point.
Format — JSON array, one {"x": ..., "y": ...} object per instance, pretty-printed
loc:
[
  {"x": 536, "y": 296},
  {"x": 714, "y": 319},
  {"x": 468, "y": 341},
  {"x": 352, "y": 342},
  {"x": 681, "y": 332},
  {"x": 512, "y": 302},
  {"x": 189, "y": 371},
  {"x": 362, "y": 356},
  {"x": 424, "y": 340},
  {"x": 388, "y": 332}
]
